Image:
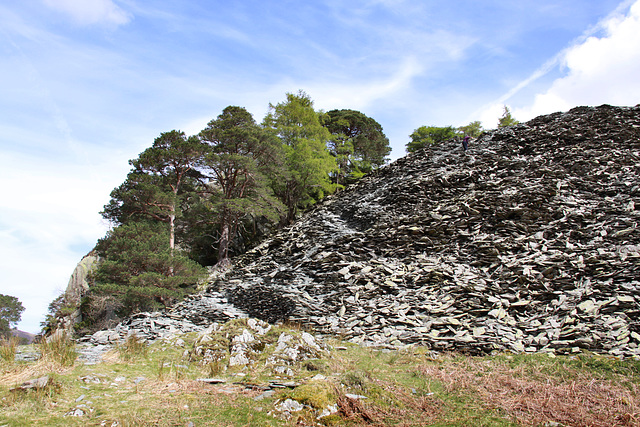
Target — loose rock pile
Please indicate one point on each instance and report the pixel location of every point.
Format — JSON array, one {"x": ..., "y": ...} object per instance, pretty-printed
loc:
[
  {"x": 526, "y": 242},
  {"x": 244, "y": 342},
  {"x": 195, "y": 313}
]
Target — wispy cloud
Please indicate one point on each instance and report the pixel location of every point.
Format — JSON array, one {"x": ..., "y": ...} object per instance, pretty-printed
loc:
[
  {"x": 362, "y": 94},
  {"x": 600, "y": 66},
  {"x": 613, "y": 58},
  {"x": 90, "y": 12}
]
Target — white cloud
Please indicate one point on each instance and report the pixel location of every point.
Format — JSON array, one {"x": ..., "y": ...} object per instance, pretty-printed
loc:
[
  {"x": 49, "y": 219},
  {"x": 358, "y": 94},
  {"x": 601, "y": 70},
  {"x": 598, "y": 69},
  {"x": 490, "y": 114},
  {"x": 88, "y": 12}
]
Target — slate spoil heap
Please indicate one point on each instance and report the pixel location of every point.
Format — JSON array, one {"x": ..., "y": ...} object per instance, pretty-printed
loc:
[{"x": 526, "y": 242}]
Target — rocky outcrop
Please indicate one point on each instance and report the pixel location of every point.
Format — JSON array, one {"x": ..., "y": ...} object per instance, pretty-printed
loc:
[
  {"x": 526, "y": 242},
  {"x": 78, "y": 283},
  {"x": 76, "y": 288}
]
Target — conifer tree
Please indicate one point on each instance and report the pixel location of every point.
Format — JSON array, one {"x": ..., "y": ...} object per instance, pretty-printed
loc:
[
  {"x": 507, "y": 119},
  {"x": 140, "y": 270},
  {"x": 240, "y": 156},
  {"x": 357, "y": 142},
  {"x": 308, "y": 163},
  {"x": 153, "y": 187}
]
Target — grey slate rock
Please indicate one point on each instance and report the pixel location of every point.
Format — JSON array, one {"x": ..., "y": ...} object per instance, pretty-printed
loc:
[{"x": 528, "y": 241}]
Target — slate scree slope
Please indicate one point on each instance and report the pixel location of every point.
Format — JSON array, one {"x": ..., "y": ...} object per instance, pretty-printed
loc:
[{"x": 526, "y": 242}]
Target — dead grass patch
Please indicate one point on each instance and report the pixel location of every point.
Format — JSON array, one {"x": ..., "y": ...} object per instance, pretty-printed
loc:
[
  {"x": 581, "y": 401},
  {"x": 354, "y": 410},
  {"x": 8, "y": 349},
  {"x": 21, "y": 373},
  {"x": 59, "y": 347},
  {"x": 193, "y": 387},
  {"x": 111, "y": 357},
  {"x": 409, "y": 408}
]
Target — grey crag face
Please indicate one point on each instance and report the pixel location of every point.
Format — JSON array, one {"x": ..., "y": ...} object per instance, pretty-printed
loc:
[{"x": 528, "y": 241}]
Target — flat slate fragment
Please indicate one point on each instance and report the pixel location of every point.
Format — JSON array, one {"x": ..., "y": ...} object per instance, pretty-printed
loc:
[
  {"x": 212, "y": 380},
  {"x": 36, "y": 383}
]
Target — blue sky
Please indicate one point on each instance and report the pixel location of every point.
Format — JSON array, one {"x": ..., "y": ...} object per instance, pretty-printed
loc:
[{"x": 86, "y": 85}]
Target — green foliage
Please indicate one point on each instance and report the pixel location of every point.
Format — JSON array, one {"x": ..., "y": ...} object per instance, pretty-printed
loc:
[
  {"x": 473, "y": 129},
  {"x": 425, "y": 135},
  {"x": 308, "y": 163},
  {"x": 358, "y": 144},
  {"x": 139, "y": 268},
  {"x": 140, "y": 197},
  {"x": 507, "y": 119},
  {"x": 10, "y": 313},
  {"x": 154, "y": 186},
  {"x": 212, "y": 195},
  {"x": 240, "y": 157}
]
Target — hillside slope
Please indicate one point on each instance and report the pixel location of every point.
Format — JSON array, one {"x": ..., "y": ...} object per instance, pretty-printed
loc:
[{"x": 527, "y": 242}]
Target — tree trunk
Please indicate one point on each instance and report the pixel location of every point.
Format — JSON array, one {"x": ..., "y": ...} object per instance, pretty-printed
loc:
[
  {"x": 172, "y": 229},
  {"x": 172, "y": 219},
  {"x": 172, "y": 233},
  {"x": 223, "y": 244}
]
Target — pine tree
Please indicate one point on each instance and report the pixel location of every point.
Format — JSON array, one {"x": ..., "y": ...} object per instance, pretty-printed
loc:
[
  {"x": 240, "y": 156},
  {"x": 507, "y": 119},
  {"x": 358, "y": 143},
  {"x": 153, "y": 187},
  {"x": 139, "y": 268}
]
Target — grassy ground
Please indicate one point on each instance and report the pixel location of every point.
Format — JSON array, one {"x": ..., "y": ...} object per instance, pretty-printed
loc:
[{"x": 158, "y": 386}]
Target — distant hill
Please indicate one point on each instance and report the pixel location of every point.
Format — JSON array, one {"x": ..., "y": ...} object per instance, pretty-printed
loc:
[{"x": 23, "y": 335}]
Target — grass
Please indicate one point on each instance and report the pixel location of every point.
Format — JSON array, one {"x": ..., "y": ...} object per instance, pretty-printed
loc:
[
  {"x": 59, "y": 348},
  {"x": 132, "y": 349},
  {"x": 8, "y": 349},
  {"x": 157, "y": 385}
]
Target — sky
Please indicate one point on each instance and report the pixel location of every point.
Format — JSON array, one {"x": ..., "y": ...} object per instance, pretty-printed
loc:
[{"x": 86, "y": 85}]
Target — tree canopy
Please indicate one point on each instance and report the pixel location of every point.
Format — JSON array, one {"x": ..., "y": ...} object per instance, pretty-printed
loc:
[
  {"x": 138, "y": 266},
  {"x": 207, "y": 197},
  {"x": 240, "y": 157},
  {"x": 473, "y": 129},
  {"x": 308, "y": 163},
  {"x": 10, "y": 313},
  {"x": 425, "y": 135},
  {"x": 358, "y": 143},
  {"x": 507, "y": 119},
  {"x": 153, "y": 187}
]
